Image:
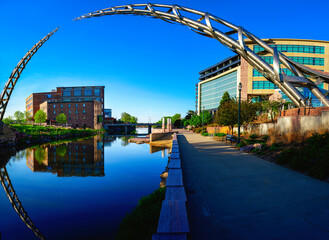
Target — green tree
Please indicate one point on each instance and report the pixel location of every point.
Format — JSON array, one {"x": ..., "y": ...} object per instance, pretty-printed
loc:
[
  {"x": 186, "y": 122},
  {"x": 61, "y": 118},
  {"x": 40, "y": 116},
  {"x": 133, "y": 119},
  {"x": 27, "y": 116},
  {"x": 189, "y": 114},
  {"x": 249, "y": 111},
  {"x": 207, "y": 117},
  {"x": 225, "y": 98},
  {"x": 271, "y": 108},
  {"x": 227, "y": 114},
  {"x": 125, "y": 117},
  {"x": 19, "y": 116},
  {"x": 196, "y": 121},
  {"x": 8, "y": 120}
]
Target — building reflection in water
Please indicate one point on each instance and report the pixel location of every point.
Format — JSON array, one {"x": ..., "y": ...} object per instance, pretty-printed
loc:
[{"x": 79, "y": 158}]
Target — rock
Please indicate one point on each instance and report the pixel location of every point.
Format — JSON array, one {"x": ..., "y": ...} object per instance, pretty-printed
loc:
[
  {"x": 247, "y": 148},
  {"x": 258, "y": 145}
]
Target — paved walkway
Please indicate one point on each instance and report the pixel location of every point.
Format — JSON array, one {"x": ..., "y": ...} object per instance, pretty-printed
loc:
[{"x": 233, "y": 195}]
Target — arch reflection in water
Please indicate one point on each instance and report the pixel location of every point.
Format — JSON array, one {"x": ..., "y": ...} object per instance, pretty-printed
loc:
[
  {"x": 16, "y": 203},
  {"x": 79, "y": 159}
]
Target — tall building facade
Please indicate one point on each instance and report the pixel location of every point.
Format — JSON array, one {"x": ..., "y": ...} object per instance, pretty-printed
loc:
[{"x": 226, "y": 75}]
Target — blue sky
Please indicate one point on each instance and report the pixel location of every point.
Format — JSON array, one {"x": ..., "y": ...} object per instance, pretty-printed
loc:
[{"x": 149, "y": 68}]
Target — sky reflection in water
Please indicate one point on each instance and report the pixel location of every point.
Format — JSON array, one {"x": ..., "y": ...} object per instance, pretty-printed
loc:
[{"x": 79, "y": 190}]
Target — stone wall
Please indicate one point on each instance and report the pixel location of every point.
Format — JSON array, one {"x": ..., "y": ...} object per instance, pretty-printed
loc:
[{"x": 6, "y": 134}]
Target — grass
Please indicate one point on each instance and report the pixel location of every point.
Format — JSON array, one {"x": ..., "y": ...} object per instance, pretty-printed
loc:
[{"x": 142, "y": 222}]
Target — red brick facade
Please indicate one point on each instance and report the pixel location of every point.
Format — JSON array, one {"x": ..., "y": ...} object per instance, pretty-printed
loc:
[
  {"x": 244, "y": 79},
  {"x": 78, "y": 114},
  {"x": 304, "y": 111}
]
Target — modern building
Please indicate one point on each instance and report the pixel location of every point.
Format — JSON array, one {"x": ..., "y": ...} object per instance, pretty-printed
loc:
[
  {"x": 87, "y": 114},
  {"x": 82, "y": 158},
  {"x": 107, "y": 113},
  {"x": 226, "y": 75},
  {"x": 66, "y": 94}
]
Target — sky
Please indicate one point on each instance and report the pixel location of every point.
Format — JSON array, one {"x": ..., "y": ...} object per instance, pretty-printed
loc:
[{"x": 149, "y": 68}]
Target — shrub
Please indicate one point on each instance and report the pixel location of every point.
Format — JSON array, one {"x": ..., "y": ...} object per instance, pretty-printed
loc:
[
  {"x": 253, "y": 136},
  {"x": 205, "y": 134},
  {"x": 219, "y": 134},
  {"x": 265, "y": 138},
  {"x": 241, "y": 144}
]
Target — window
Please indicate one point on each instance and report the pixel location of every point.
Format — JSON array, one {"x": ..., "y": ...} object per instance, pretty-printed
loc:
[
  {"x": 88, "y": 92},
  {"x": 76, "y": 112},
  {"x": 84, "y": 111},
  {"x": 84, "y": 105},
  {"x": 76, "y": 105},
  {"x": 66, "y": 93},
  {"x": 97, "y": 92},
  {"x": 77, "y": 92},
  {"x": 263, "y": 85},
  {"x": 61, "y": 105},
  {"x": 54, "y": 106},
  {"x": 294, "y": 48},
  {"x": 301, "y": 60},
  {"x": 48, "y": 95},
  {"x": 54, "y": 112},
  {"x": 69, "y": 105},
  {"x": 69, "y": 111}
]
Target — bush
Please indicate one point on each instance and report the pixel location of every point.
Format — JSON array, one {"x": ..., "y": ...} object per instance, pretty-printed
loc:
[
  {"x": 241, "y": 144},
  {"x": 253, "y": 136},
  {"x": 265, "y": 138},
  {"x": 219, "y": 134},
  {"x": 205, "y": 134}
]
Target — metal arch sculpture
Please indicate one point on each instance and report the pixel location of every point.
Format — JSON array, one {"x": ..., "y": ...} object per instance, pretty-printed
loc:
[
  {"x": 16, "y": 203},
  {"x": 204, "y": 25},
  {"x": 16, "y": 73}
]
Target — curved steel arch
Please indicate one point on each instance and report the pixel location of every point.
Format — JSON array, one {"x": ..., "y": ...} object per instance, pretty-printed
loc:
[
  {"x": 16, "y": 73},
  {"x": 16, "y": 203},
  {"x": 203, "y": 23}
]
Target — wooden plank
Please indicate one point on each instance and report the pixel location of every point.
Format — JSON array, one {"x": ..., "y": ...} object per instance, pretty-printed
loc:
[
  {"x": 174, "y": 163},
  {"x": 173, "y": 217},
  {"x": 174, "y": 155},
  {"x": 175, "y": 173},
  {"x": 174, "y": 182},
  {"x": 175, "y": 193},
  {"x": 169, "y": 236}
]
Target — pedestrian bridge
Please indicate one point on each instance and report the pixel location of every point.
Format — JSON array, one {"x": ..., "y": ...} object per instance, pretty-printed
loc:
[{"x": 126, "y": 125}]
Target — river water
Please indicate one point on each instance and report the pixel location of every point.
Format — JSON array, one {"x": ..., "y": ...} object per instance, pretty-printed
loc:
[{"x": 77, "y": 190}]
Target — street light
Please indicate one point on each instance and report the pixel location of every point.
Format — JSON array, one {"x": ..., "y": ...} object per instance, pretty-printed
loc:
[
  {"x": 239, "y": 88},
  {"x": 202, "y": 118}
]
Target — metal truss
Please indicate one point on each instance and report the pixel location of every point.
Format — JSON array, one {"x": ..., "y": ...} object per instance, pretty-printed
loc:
[
  {"x": 209, "y": 25},
  {"x": 16, "y": 73},
  {"x": 17, "y": 205}
]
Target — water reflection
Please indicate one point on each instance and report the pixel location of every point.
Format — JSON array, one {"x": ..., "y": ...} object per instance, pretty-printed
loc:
[
  {"x": 80, "y": 158},
  {"x": 62, "y": 201}
]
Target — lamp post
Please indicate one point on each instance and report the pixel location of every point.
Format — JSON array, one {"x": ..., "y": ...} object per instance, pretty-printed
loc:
[
  {"x": 239, "y": 88},
  {"x": 202, "y": 118}
]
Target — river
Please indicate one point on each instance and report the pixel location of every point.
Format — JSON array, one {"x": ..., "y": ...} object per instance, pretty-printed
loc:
[{"x": 79, "y": 189}]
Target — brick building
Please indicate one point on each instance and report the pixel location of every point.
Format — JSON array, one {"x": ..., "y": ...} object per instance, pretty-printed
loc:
[
  {"x": 66, "y": 94},
  {"x": 78, "y": 114}
]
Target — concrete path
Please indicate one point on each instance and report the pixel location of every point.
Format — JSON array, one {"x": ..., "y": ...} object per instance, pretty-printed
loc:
[{"x": 233, "y": 195}]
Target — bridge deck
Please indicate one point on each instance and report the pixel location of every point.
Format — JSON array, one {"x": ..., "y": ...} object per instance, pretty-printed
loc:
[{"x": 233, "y": 195}]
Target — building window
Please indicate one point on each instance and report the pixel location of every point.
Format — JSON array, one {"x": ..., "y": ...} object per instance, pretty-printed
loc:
[
  {"x": 263, "y": 85},
  {"x": 301, "y": 60},
  {"x": 84, "y": 105},
  {"x": 54, "y": 112},
  {"x": 54, "y": 106},
  {"x": 69, "y": 105},
  {"x": 76, "y": 112},
  {"x": 76, "y": 105},
  {"x": 84, "y": 111},
  {"x": 66, "y": 93},
  {"x": 294, "y": 48},
  {"x": 69, "y": 111},
  {"x": 88, "y": 92},
  {"x": 61, "y": 105},
  {"x": 48, "y": 95},
  {"x": 97, "y": 92},
  {"x": 77, "y": 92}
]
